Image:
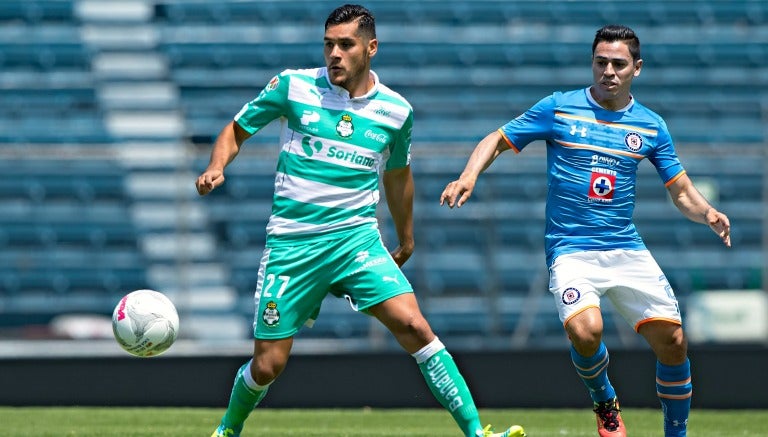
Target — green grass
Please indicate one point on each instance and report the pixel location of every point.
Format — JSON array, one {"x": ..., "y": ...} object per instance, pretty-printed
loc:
[{"x": 183, "y": 422}]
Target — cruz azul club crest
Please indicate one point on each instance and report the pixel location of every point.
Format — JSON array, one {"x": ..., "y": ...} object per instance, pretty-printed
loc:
[{"x": 634, "y": 141}]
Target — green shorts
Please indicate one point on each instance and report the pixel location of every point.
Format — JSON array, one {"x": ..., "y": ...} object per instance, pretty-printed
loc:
[{"x": 294, "y": 280}]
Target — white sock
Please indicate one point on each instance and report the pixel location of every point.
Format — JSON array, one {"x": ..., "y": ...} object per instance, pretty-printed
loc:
[
  {"x": 249, "y": 381},
  {"x": 428, "y": 351}
]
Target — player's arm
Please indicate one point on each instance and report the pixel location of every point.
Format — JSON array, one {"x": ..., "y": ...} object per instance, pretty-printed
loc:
[
  {"x": 696, "y": 208},
  {"x": 225, "y": 149},
  {"x": 398, "y": 188},
  {"x": 457, "y": 193}
]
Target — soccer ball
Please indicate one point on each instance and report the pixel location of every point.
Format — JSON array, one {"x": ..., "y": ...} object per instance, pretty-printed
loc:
[{"x": 145, "y": 323}]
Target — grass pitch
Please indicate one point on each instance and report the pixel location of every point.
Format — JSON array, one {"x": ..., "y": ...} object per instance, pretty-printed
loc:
[{"x": 187, "y": 422}]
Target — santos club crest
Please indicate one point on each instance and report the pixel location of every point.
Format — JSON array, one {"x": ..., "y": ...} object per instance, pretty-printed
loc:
[
  {"x": 271, "y": 315},
  {"x": 344, "y": 127}
]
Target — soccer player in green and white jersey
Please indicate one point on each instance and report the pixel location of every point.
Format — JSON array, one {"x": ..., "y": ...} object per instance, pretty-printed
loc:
[{"x": 340, "y": 127}]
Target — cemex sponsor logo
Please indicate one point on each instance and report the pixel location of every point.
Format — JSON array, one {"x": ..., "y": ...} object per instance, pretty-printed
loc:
[
  {"x": 602, "y": 185},
  {"x": 370, "y": 263}
]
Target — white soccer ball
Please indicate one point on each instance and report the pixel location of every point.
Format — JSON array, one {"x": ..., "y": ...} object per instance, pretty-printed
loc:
[{"x": 145, "y": 323}]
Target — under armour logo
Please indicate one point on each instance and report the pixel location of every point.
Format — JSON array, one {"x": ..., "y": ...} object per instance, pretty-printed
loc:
[{"x": 575, "y": 129}]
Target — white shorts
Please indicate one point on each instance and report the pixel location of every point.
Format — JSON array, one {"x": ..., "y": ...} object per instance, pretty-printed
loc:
[{"x": 631, "y": 279}]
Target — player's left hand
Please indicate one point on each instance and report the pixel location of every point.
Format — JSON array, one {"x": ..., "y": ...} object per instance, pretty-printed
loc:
[
  {"x": 720, "y": 224},
  {"x": 401, "y": 254}
]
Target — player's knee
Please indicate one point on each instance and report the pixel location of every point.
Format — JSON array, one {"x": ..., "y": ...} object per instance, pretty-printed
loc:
[
  {"x": 415, "y": 327},
  {"x": 585, "y": 337},
  {"x": 586, "y": 343},
  {"x": 264, "y": 372}
]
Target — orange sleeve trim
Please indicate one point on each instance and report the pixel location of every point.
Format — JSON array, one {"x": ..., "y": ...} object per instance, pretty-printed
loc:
[
  {"x": 509, "y": 143},
  {"x": 672, "y": 181}
]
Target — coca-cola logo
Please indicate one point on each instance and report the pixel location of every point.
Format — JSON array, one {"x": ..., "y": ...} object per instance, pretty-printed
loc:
[
  {"x": 121, "y": 309},
  {"x": 378, "y": 137}
]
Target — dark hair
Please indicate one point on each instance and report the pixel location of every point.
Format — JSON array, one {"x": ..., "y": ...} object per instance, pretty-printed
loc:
[
  {"x": 366, "y": 24},
  {"x": 615, "y": 32}
]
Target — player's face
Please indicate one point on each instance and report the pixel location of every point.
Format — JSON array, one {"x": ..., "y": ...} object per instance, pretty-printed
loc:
[
  {"x": 613, "y": 70},
  {"x": 348, "y": 57}
]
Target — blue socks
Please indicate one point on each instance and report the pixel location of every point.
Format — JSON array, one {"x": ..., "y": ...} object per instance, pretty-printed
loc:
[
  {"x": 674, "y": 389},
  {"x": 594, "y": 372}
]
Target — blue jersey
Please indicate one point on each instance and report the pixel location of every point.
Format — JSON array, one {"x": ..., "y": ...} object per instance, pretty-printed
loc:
[{"x": 592, "y": 160}]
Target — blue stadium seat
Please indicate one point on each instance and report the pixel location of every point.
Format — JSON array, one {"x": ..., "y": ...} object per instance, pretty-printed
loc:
[
  {"x": 46, "y": 57},
  {"x": 37, "y": 11}
]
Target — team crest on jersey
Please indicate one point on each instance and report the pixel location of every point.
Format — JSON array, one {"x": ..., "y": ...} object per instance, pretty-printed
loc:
[
  {"x": 344, "y": 127},
  {"x": 272, "y": 84},
  {"x": 634, "y": 141},
  {"x": 602, "y": 186},
  {"x": 571, "y": 296},
  {"x": 271, "y": 315}
]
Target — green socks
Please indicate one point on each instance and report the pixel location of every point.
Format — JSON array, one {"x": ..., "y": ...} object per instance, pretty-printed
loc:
[
  {"x": 448, "y": 386},
  {"x": 246, "y": 394}
]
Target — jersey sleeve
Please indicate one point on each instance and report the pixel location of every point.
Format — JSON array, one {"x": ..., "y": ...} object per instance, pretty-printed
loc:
[
  {"x": 400, "y": 150},
  {"x": 534, "y": 124},
  {"x": 270, "y": 104},
  {"x": 664, "y": 157}
]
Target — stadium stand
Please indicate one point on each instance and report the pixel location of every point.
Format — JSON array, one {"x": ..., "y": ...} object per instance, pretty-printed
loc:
[{"x": 110, "y": 216}]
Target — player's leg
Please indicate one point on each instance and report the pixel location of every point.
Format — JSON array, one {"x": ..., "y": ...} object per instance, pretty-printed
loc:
[
  {"x": 576, "y": 283},
  {"x": 647, "y": 301},
  {"x": 373, "y": 283},
  {"x": 401, "y": 315},
  {"x": 252, "y": 381},
  {"x": 590, "y": 358},
  {"x": 291, "y": 286},
  {"x": 589, "y": 354},
  {"x": 673, "y": 374}
]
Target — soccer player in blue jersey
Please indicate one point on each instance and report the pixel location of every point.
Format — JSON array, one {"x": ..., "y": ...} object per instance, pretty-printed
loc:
[
  {"x": 340, "y": 128},
  {"x": 596, "y": 138}
]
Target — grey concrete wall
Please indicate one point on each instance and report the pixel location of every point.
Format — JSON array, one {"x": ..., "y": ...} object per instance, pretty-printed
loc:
[{"x": 723, "y": 378}]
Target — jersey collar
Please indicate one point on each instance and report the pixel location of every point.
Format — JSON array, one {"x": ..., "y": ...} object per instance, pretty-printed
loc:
[
  {"x": 594, "y": 102},
  {"x": 345, "y": 94}
]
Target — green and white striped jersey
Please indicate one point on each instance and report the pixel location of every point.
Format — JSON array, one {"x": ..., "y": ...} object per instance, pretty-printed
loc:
[{"x": 333, "y": 148}]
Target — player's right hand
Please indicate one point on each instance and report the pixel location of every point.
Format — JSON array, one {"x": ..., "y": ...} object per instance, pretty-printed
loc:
[
  {"x": 209, "y": 180},
  {"x": 457, "y": 193}
]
